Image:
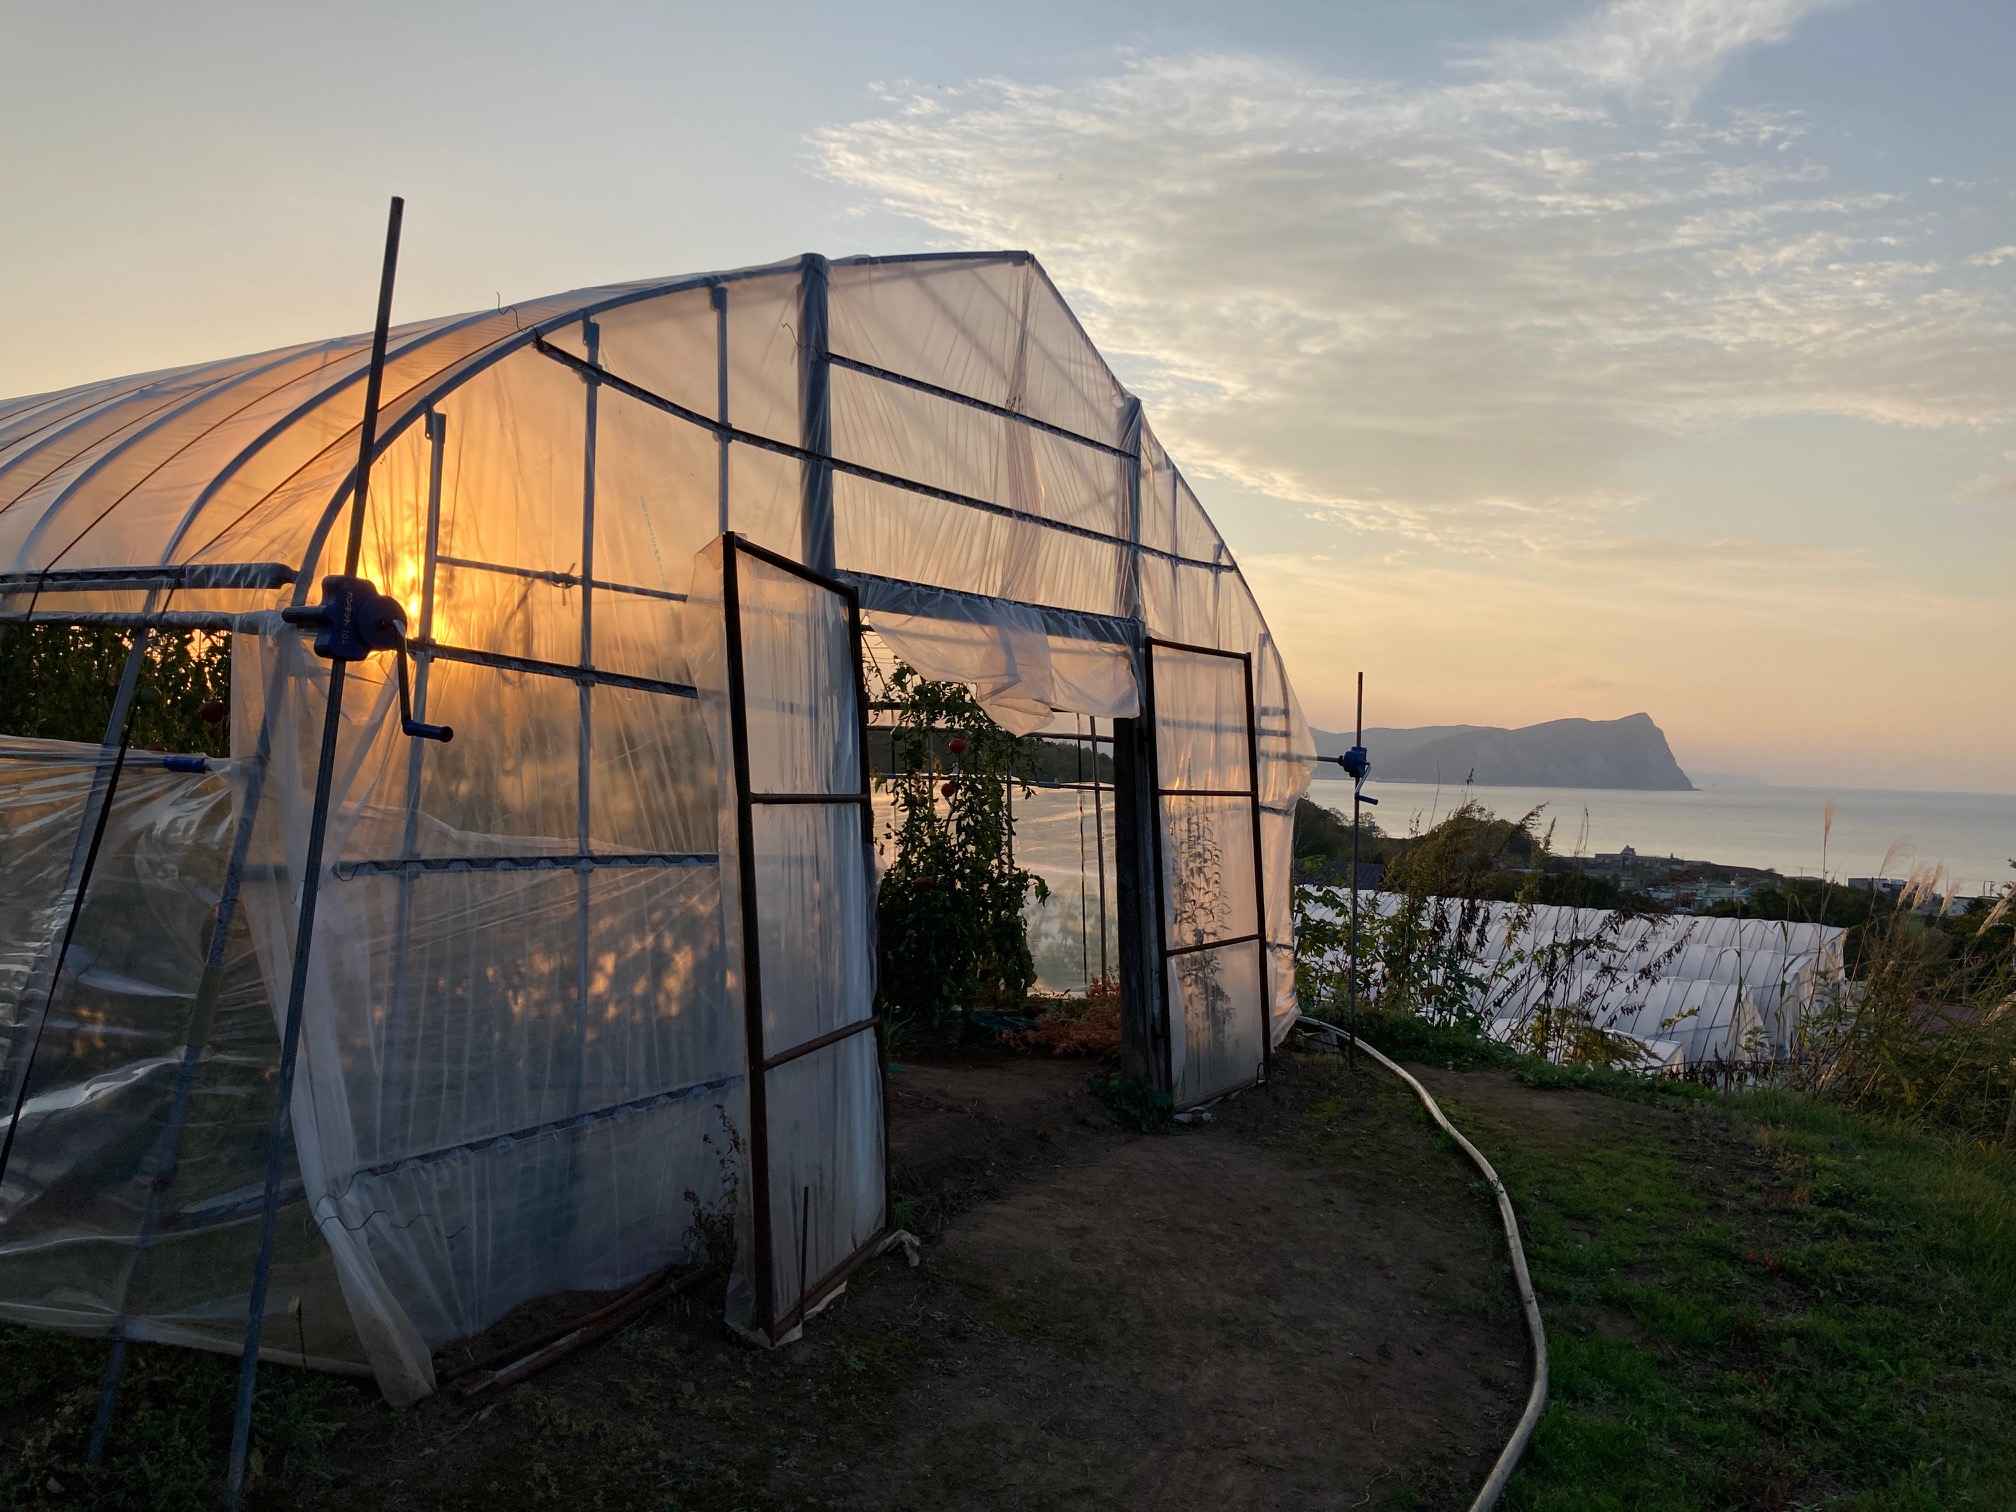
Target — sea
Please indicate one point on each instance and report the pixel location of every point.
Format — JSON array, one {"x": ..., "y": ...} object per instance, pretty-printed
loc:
[{"x": 1972, "y": 835}]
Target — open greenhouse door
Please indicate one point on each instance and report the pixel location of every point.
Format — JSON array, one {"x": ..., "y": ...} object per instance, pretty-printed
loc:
[
  {"x": 1215, "y": 999},
  {"x": 798, "y": 897}
]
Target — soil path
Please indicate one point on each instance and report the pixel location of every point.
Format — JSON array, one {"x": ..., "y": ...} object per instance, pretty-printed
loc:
[{"x": 1302, "y": 1303}]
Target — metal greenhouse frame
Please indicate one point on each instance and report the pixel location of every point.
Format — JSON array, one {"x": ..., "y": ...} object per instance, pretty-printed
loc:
[
  {"x": 531, "y": 917},
  {"x": 772, "y": 1320}
]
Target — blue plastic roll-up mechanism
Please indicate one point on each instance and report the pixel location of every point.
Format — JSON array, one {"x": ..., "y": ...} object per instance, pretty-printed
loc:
[
  {"x": 353, "y": 621},
  {"x": 1357, "y": 766}
]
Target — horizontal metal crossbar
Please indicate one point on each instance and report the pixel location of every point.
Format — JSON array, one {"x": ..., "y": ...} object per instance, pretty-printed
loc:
[
  {"x": 1207, "y": 793},
  {"x": 409, "y": 866},
  {"x": 1224, "y": 1091},
  {"x": 1244, "y": 939},
  {"x": 837, "y": 586},
  {"x": 832, "y": 1037},
  {"x": 559, "y": 1125},
  {"x": 902, "y": 380},
  {"x": 592, "y": 676},
  {"x": 1027, "y": 782},
  {"x": 559, "y": 579},
  {"x": 237, "y": 1204},
  {"x": 185, "y": 575},
  {"x": 796, "y": 1314},
  {"x": 902, "y": 596},
  {"x": 1189, "y": 650},
  {"x": 1013, "y": 257},
  {"x": 947, "y": 729},
  {"x": 856, "y": 469},
  {"x": 216, "y": 621},
  {"x": 811, "y": 797}
]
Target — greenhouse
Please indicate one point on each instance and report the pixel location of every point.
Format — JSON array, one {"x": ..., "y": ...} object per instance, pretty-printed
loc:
[
  {"x": 1691, "y": 991},
  {"x": 575, "y": 944}
]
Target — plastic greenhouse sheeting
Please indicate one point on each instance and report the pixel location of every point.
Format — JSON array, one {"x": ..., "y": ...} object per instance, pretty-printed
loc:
[
  {"x": 526, "y": 1054},
  {"x": 1695, "y": 990},
  {"x": 78, "y": 1189}
]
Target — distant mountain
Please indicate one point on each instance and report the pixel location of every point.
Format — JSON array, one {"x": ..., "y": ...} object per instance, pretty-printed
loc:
[
  {"x": 1596, "y": 753},
  {"x": 1390, "y": 745}
]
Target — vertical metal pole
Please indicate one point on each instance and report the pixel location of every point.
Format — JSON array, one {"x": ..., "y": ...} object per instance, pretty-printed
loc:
[
  {"x": 752, "y": 965},
  {"x": 304, "y": 933},
  {"x": 1130, "y": 483},
  {"x": 1152, "y": 761},
  {"x": 804, "y": 1248},
  {"x": 815, "y": 412},
  {"x": 1139, "y": 935},
  {"x": 719, "y": 295},
  {"x": 437, "y": 441},
  {"x": 1259, "y": 876},
  {"x": 591, "y": 336},
  {"x": 868, "y": 870},
  {"x": 1084, "y": 931},
  {"x": 423, "y": 662},
  {"x": 1357, "y": 739},
  {"x": 1099, "y": 848},
  {"x": 83, "y": 855}
]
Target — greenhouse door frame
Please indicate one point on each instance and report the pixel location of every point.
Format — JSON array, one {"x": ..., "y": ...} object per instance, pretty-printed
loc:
[
  {"x": 1158, "y": 793},
  {"x": 774, "y": 1323}
]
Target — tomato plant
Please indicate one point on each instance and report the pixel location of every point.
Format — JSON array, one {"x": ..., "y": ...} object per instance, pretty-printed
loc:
[{"x": 950, "y": 907}]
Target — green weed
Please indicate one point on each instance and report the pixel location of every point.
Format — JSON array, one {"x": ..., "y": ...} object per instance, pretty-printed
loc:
[
  {"x": 1133, "y": 1102},
  {"x": 1840, "y": 1331},
  {"x": 168, "y": 1446}
]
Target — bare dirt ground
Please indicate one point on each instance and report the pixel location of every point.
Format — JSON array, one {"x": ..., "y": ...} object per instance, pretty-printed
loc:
[{"x": 1302, "y": 1303}]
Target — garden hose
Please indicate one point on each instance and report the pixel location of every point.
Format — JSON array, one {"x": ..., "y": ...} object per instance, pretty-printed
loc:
[{"x": 1508, "y": 1457}]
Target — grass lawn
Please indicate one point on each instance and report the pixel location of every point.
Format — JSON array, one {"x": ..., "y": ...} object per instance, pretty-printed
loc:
[
  {"x": 1752, "y": 1302},
  {"x": 1757, "y": 1302}
]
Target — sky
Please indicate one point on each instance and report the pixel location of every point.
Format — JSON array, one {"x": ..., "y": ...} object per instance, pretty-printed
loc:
[{"x": 1540, "y": 358}]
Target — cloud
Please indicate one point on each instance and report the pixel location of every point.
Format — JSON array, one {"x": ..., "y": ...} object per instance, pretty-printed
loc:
[
  {"x": 1427, "y": 344},
  {"x": 1989, "y": 488},
  {"x": 1587, "y": 683},
  {"x": 1453, "y": 310},
  {"x": 1659, "y": 48}
]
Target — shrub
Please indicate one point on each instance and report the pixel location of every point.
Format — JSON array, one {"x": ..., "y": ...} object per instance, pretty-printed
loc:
[
  {"x": 58, "y": 682},
  {"x": 1088, "y": 1025}
]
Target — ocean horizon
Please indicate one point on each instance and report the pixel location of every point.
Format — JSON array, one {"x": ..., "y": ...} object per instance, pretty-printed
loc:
[{"x": 1973, "y": 835}]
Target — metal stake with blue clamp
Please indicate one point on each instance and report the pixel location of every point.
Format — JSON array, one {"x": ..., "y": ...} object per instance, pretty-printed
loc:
[
  {"x": 353, "y": 621},
  {"x": 1357, "y": 766}
]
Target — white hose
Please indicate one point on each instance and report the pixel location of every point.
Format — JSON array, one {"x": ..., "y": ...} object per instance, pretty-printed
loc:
[{"x": 1508, "y": 1457}]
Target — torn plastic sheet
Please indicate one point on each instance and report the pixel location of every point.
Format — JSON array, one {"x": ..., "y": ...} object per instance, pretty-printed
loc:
[{"x": 1021, "y": 668}]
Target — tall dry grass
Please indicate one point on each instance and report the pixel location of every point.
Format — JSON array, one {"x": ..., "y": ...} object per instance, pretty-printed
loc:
[{"x": 1924, "y": 1030}]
